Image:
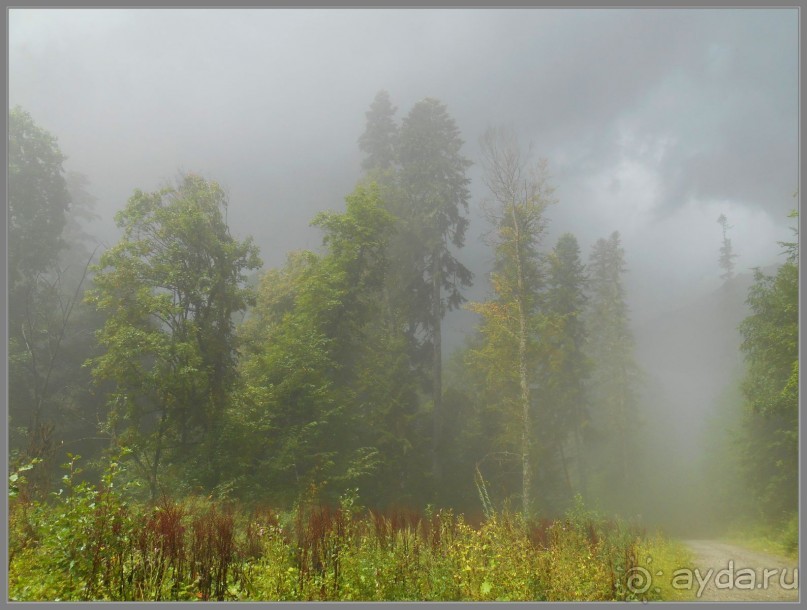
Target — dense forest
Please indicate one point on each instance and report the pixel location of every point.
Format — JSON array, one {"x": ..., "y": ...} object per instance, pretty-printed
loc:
[{"x": 284, "y": 432}]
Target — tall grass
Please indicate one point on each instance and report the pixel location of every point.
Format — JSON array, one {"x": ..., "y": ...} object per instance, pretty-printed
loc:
[{"x": 88, "y": 543}]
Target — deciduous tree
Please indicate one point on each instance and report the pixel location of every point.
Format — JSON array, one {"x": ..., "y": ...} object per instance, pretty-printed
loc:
[
  {"x": 511, "y": 321},
  {"x": 170, "y": 289},
  {"x": 47, "y": 268},
  {"x": 38, "y": 200},
  {"x": 308, "y": 375}
]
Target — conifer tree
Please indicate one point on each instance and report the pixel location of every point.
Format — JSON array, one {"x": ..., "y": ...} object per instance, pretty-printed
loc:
[
  {"x": 568, "y": 366},
  {"x": 434, "y": 192},
  {"x": 727, "y": 255},
  {"x": 771, "y": 385},
  {"x": 611, "y": 349},
  {"x": 379, "y": 140}
]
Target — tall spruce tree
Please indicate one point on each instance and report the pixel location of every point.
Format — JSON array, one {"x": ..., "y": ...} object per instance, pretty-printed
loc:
[
  {"x": 727, "y": 254},
  {"x": 434, "y": 191},
  {"x": 614, "y": 375},
  {"x": 771, "y": 347},
  {"x": 568, "y": 367},
  {"x": 378, "y": 142}
]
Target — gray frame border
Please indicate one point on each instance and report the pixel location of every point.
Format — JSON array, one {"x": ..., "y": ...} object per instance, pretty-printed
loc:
[{"x": 369, "y": 4}]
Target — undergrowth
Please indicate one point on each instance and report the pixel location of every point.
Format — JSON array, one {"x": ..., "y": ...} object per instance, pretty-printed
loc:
[
  {"x": 88, "y": 542},
  {"x": 779, "y": 538}
]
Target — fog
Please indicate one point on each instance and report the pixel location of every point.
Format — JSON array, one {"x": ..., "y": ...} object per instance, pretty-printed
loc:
[{"x": 654, "y": 122}]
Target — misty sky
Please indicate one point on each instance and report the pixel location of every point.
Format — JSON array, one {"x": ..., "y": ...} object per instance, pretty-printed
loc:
[{"x": 654, "y": 122}]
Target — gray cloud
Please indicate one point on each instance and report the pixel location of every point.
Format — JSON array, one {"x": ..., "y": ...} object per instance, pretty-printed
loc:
[{"x": 641, "y": 113}]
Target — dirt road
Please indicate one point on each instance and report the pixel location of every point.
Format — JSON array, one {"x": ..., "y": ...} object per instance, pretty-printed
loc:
[{"x": 724, "y": 572}]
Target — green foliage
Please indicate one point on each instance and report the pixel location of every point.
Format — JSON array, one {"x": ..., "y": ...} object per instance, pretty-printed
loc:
[
  {"x": 92, "y": 543},
  {"x": 513, "y": 326},
  {"x": 751, "y": 469},
  {"x": 17, "y": 480},
  {"x": 431, "y": 202},
  {"x": 433, "y": 176},
  {"x": 314, "y": 395},
  {"x": 614, "y": 377},
  {"x": 63, "y": 543},
  {"x": 50, "y": 335},
  {"x": 434, "y": 186},
  {"x": 379, "y": 140},
  {"x": 772, "y": 537},
  {"x": 320, "y": 397},
  {"x": 37, "y": 198},
  {"x": 770, "y": 344},
  {"x": 169, "y": 290},
  {"x": 563, "y": 414}
]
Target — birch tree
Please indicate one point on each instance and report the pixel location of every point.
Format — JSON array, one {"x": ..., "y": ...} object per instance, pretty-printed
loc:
[{"x": 511, "y": 319}]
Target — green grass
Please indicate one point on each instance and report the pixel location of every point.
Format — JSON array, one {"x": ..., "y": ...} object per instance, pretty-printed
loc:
[
  {"x": 187, "y": 550},
  {"x": 778, "y": 539},
  {"x": 662, "y": 555},
  {"x": 90, "y": 543}
]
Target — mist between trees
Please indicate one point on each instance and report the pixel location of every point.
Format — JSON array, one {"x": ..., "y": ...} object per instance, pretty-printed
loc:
[{"x": 218, "y": 378}]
